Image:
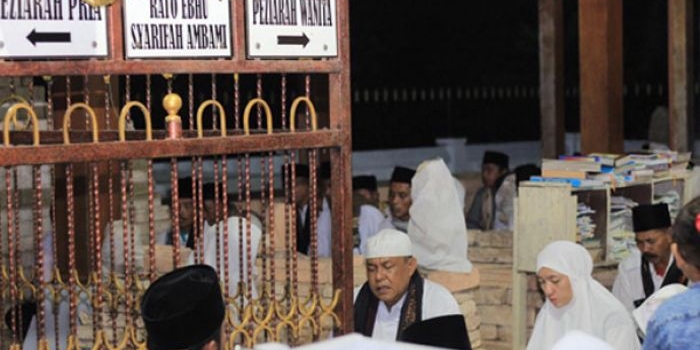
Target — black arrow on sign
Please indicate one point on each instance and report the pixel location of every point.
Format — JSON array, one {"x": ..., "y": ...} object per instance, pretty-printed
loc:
[
  {"x": 48, "y": 37},
  {"x": 293, "y": 40}
]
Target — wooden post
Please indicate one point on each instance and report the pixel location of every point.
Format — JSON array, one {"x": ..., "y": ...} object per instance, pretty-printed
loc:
[
  {"x": 680, "y": 74},
  {"x": 551, "y": 41},
  {"x": 600, "y": 54}
]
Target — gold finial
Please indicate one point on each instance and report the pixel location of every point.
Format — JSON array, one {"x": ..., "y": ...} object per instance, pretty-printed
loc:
[{"x": 172, "y": 104}]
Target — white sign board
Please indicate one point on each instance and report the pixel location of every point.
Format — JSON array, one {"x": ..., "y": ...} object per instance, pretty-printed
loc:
[
  {"x": 52, "y": 28},
  {"x": 291, "y": 28},
  {"x": 177, "y": 28}
]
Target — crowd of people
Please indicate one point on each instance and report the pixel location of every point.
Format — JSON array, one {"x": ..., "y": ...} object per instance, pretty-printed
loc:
[{"x": 422, "y": 226}]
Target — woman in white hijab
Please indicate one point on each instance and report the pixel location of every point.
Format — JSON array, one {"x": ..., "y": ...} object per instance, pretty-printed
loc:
[{"x": 575, "y": 301}]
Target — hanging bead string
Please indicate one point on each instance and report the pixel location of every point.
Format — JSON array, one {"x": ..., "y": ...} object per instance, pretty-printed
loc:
[
  {"x": 224, "y": 209},
  {"x": 263, "y": 202},
  {"x": 72, "y": 295},
  {"x": 98, "y": 251},
  {"x": 239, "y": 167},
  {"x": 91, "y": 212},
  {"x": 215, "y": 111},
  {"x": 124, "y": 170},
  {"x": 54, "y": 232},
  {"x": 314, "y": 206},
  {"x": 248, "y": 232},
  {"x": 175, "y": 212},
  {"x": 39, "y": 248},
  {"x": 217, "y": 235},
  {"x": 12, "y": 253}
]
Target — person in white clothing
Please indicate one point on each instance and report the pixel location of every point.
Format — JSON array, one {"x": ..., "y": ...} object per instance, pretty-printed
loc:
[
  {"x": 399, "y": 199},
  {"x": 652, "y": 266},
  {"x": 395, "y": 296},
  {"x": 365, "y": 202},
  {"x": 437, "y": 227},
  {"x": 575, "y": 301}
]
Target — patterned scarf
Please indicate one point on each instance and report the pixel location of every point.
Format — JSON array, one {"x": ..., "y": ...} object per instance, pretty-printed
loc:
[{"x": 366, "y": 307}]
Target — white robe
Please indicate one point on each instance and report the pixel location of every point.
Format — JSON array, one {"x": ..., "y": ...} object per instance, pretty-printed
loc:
[
  {"x": 437, "y": 301},
  {"x": 592, "y": 309},
  {"x": 233, "y": 249},
  {"x": 437, "y": 227},
  {"x": 628, "y": 285},
  {"x": 368, "y": 223},
  {"x": 323, "y": 230}
]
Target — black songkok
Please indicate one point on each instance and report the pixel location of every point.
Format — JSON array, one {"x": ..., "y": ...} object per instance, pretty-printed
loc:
[
  {"x": 402, "y": 174},
  {"x": 325, "y": 171},
  {"x": 364, "y": 182},
  {"x": 448, "y": 332},
  {"x": 183, "y": 308},
  {"x": 184, "y": 187},
  {"x": 498, "y": 158},
  {"x": 647, "y": 217}
]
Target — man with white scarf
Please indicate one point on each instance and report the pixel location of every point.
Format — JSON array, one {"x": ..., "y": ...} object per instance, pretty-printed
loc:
[{"x": 437, "y": 227}]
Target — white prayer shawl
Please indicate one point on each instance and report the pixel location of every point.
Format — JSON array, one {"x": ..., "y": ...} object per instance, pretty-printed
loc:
[
  {"x": 592, "y": 309},
  {"x": 234, "y": 224},
  {"x": 576, "y": 340},
  {"x": 437, "y": 227}
]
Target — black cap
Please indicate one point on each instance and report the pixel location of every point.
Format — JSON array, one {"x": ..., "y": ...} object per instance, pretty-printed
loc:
[
  {"x": 183, "y": 308},
  {"x": 498, "y": 158},
  {"x": 364, "y": 182},
  {"x": 325, "y": 171},
  {"x": 448, "y": 332},
  {"x": 402, "y": 174},
  {"x": 209, "y": 191},
  {"x": 184, "y": 187},
  {"x": 525, "y": 171},
  {"x": 647, "y": 217}
]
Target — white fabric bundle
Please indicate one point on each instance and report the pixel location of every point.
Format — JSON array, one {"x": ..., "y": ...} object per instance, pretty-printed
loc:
[{"x": 437, "y": 227}]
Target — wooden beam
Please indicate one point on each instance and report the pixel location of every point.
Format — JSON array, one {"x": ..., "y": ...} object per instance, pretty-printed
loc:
[
  {"x": 680, "y": 74},
  {"x": 600, "y": 54},
  {"x": 551, "y": 47}
]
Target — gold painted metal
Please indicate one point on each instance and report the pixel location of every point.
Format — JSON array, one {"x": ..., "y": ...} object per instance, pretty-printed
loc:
[
  {"x": 67, "y": 117},
  {"x": 200, "y": 112},
  {"x": 122, "y": 120},
  {"x": 11, "y": 116}
]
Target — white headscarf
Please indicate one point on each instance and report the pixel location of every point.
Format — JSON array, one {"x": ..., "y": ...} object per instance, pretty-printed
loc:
[
  {"x": 437, "y": 227},
  {"x": 592, "y": 309}
]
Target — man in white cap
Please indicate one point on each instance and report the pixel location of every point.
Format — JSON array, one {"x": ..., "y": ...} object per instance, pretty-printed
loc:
[{"x": 395, "y": 296}]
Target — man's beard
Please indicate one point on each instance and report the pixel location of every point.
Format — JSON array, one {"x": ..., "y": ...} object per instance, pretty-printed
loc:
[{"x": 650, "y": 257}]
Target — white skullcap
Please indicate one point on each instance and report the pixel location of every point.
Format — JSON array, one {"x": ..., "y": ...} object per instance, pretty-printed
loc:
[{"x": 388, "y": 243}]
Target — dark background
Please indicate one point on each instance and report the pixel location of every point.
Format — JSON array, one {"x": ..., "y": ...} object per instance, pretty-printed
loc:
[{"x": 487, "y": 47}]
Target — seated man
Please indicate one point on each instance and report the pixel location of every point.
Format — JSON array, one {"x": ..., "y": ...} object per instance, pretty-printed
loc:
[
  {"x": 186, "y": 216},
  {"x": 395, "y": 296},
  {"x": 184, "y": 309},
  {"x": 399, "y": 199},
  {"x": 482, "y": 214},
  {"x": 365, "y": 204},
  {"x": 238, "y": 232},
  {"x": 640, "y": 275}
]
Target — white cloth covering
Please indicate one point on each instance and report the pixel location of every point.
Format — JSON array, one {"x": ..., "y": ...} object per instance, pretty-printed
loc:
[
  {"x": 234, "y": 224},
  {"x": 437, "y": 227},
  {"x": 437, "y": 301},
  {"x": 643, "y": 313},
  {"x": 368, "y": 223},
  {"x": 628, "y": 285},
  {"x": 592, "y": 309},
  {"x": 577, "y": 340},
  {"x": 323, "y": 230}
]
